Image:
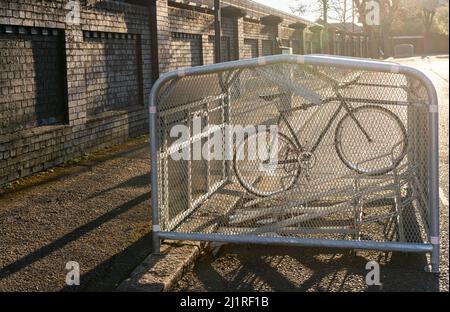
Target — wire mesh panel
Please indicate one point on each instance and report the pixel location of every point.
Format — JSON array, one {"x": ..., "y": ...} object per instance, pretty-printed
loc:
[{"x": 302, "y": 150}]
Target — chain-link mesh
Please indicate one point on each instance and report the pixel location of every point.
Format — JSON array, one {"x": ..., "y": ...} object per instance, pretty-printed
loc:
[{"x": 338, "y": 153}]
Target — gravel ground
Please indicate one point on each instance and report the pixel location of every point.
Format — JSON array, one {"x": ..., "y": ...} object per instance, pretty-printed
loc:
[
  {"x": 95, "y": 211},
  {"x": 260, "y": 268},
  {"x": 437, "y": 68}
]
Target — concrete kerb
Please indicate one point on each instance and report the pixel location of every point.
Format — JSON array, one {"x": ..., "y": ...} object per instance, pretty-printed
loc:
[{"x": 160, "y": 273}]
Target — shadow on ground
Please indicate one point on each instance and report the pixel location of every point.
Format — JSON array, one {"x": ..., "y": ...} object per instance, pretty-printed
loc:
[
  {"x": 260, "y": 268},
  {"x": 98, "y": 216},
  {"x": 109, "y": 274}
]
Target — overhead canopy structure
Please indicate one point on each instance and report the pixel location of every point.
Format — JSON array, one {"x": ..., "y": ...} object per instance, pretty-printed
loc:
[
  {"x": 233, "y": 11},
  {"x": 271, "y": 20}
]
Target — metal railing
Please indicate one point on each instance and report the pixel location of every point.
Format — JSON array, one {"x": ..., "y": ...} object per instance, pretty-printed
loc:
[{"x": 346, "y": 154}]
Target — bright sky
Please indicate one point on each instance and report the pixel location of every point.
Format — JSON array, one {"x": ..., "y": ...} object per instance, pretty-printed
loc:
[
  {"x": 284, "y": 6},
  {"x": 279, "y": 4}
]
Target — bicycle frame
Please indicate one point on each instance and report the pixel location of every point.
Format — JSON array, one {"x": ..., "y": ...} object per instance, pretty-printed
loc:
[
  {"x": 343, "y": 105},
  {"x": 321, "y": 136}
]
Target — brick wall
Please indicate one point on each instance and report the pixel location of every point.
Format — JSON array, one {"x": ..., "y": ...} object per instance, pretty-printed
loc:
[
  {"x": 103, "y": 102},
  {"x": 268, "y": 47},
  {"x": 250, "y": 49},
  {"x": 185, "y": 51},
  {"x": 227, "y": 51},
  {"x": 32, "y": 88},
  {"x": 192, "y": 34},
  {"x": 69, "y": 89},
  {"x": 112, "y": 71},
  {"x": 254, "y": 30}
]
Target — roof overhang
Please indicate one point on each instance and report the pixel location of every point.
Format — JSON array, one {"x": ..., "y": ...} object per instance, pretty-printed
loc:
[
  {"x": 298, "y": 25},
  {"x": 271, "y": 20},
  {"x": 233, "y": 11}
]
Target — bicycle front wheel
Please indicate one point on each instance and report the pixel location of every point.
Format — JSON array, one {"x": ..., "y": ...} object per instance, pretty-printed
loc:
[
  {"x": 371, "y": 140},
  {"x": 275, "y": 169}
]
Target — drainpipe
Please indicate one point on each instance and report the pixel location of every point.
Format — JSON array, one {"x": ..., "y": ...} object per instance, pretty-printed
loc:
[
  {"x": 152, "y": 13},
  {"x": 217, "y": 28}
]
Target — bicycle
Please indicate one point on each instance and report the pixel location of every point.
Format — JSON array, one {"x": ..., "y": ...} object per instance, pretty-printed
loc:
[{"x": 293, "y": 157}]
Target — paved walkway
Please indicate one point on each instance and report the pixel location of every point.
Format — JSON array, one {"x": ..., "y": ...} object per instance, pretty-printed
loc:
[{"x": 95, "y": 212}]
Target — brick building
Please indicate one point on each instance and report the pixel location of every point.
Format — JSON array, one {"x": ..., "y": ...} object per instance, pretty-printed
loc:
[{"x": 70, "y": 86}]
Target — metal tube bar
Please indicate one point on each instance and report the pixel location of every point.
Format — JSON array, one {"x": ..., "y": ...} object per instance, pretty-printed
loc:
[
  {"x": 319, "y": 60},
  {"x": 154, "y": 174},
  {"x": 305, "y": 242},
  {"x": 434, "y": 178}
]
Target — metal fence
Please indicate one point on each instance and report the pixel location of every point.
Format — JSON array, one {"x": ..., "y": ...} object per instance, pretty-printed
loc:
[{"x": 346, "y": 154}]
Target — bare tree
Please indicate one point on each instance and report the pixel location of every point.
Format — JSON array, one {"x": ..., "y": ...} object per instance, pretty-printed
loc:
[
  {"x": 388, "y": 14},
  {"x": 428, "y": 12},
  {"x": 321, "y": 7},
  {"x": 360, "y": 8},
  {"x": 340, "y": 10},
  {"x": 380, "y": 43},
  {"x": 300, "y": 7},
  {"x": 429, "y": 8}
]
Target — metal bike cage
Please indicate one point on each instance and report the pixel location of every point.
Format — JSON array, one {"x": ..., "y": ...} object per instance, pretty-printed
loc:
[{"x": 419, "y": 172}]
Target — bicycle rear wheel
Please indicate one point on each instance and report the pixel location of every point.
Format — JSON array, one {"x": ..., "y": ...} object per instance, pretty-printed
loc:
[
  {"x": 378, "y": 153},
  {"x": 262, "y": 176}
]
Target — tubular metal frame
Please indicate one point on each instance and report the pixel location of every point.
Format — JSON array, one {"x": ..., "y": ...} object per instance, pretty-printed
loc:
[{"x": 319, "y": 60}]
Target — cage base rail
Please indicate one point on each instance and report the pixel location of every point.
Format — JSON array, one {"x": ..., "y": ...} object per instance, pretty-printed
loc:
[{"x": 300, "y": 242}]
